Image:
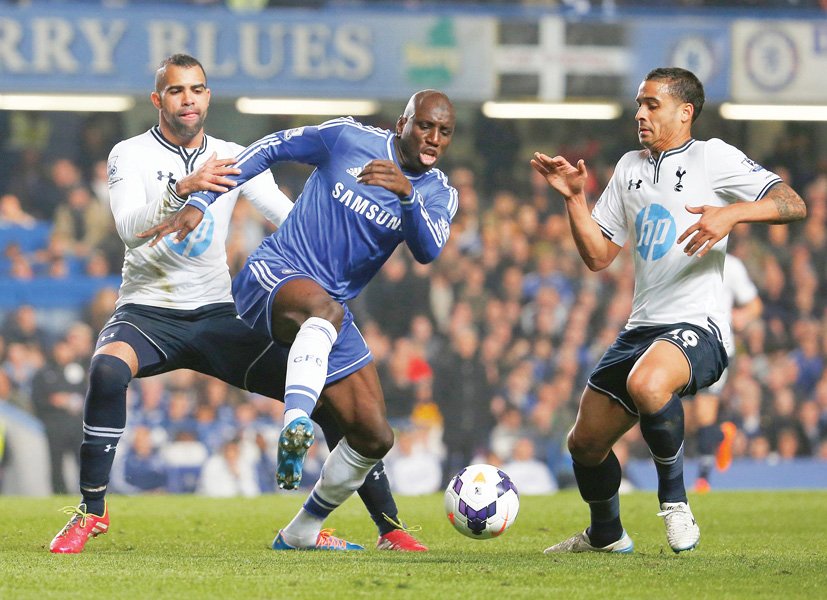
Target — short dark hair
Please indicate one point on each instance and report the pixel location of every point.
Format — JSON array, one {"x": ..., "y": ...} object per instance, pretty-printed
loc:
[
  {"x": 177, "y": 60},
  {"x": 683, "y": 85}
]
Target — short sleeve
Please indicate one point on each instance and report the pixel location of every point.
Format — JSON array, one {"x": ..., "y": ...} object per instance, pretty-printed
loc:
[
  {"x": 608, "y": 212},
  {"x": 733, "y": 176}
]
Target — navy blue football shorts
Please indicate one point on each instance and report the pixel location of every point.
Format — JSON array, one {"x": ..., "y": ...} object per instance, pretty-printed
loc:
[
  {"x": 253, "y": 291},
  {"x": 704, "y": 351},
  {"x": 210, "y": 339}
]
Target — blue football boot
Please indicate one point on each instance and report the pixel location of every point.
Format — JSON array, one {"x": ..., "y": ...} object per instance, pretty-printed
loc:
[
  {"x": 294, "y": 442},
  {"x": 325, "y": 541}
]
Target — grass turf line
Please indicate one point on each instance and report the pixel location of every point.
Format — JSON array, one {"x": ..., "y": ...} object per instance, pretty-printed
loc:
[{"x": 753, "y": 545}]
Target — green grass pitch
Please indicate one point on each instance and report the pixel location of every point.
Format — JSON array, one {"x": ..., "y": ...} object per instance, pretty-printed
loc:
[{"x": 753, "y": 545}]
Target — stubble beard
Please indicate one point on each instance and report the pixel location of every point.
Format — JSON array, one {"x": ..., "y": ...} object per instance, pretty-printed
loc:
[{"x": 186, "y": 131}]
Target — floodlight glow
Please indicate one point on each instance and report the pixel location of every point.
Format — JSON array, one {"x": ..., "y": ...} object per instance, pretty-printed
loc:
[
  {"x": 72, "y": 103},
  {"x": 305, "y": 106},
  {"x": 773, "y": 112},
  {"x": 551, "y": 110}
]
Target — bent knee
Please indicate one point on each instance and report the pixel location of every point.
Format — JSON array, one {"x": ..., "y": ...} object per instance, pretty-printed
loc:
[
  {"x": 287, "y": 322},
  {"x": 646, "y": 388},
  {"x": 329, "y": 310},
  {"x": 374, "y": 442},
  {"x": 587, "y": 450}
]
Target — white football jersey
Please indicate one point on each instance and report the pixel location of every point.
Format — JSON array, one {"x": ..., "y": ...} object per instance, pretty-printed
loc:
[
  {"x": 645, "y": 202},
  {"x": 143, "y": 171},
  {"x": 738, "y": 290},
  {"x": 738, "y": 287}
]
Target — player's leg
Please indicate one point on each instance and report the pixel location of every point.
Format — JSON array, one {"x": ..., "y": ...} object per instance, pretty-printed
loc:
[
  {"x": 104, "y": 418},
  {"x": 601, "y": 421},
  {"x": 294, "y": 310},
  {"x": 678, "y": 362},
  {"x": 264, "y": 373},
  {"x": 305, "y": 316},
  {"x": 375, "y": 493},
  {"x": 709, "y": 435},
  {"x": 358, "y": 405},
  {"x": 122, "y": 351},
  {"x": 653, "y": 383}
]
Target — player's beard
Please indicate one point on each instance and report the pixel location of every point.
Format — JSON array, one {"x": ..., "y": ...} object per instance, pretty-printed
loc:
[{"x": 186, "y": 131}]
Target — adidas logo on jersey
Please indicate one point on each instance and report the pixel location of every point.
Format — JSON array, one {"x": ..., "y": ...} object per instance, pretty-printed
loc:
[{"x": 354, "y": 171}]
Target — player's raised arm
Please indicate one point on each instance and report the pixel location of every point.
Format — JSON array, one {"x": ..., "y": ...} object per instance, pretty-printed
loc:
[
  {"x": 133, "y": 214},
  {"x": 595, "y": 250},
  {"x": 264, "y": 194},
  {"x": 212, "y": 176},
  {"x": 304, "y": 144}
]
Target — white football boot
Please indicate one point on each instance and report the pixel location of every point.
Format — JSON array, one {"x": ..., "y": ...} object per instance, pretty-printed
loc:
[
  {"x": 580, "y": 542},
  {"x": 682, "y": 532}
]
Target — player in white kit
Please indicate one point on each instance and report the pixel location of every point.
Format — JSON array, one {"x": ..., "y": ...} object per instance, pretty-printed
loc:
[
  {"x": 714, "y": 441},
  {"x": 675, "y": 201}
]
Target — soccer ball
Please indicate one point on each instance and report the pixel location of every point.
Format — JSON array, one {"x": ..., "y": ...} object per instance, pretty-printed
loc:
[{"x": 481, "y": 502}]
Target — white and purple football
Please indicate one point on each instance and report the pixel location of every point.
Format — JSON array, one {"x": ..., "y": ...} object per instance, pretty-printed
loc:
[{"x": 481, "y": 502}]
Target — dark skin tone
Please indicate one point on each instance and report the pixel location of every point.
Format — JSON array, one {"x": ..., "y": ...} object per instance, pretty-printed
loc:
[{"x": 423, "y": 134}]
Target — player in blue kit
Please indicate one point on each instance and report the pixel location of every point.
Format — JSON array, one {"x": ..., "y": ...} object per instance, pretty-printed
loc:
[
  {"x": 372, "y": 189},
  {"x": 675, "y": 202},
  {"x": 175, "y": 308}
]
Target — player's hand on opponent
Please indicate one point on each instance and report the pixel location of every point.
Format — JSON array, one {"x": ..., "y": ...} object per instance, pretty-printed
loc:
[
  {"x": 184, "y": 221},
  {"x": 560, "y": 174},
  {"x": 209, "y": 177},
  {"x": 715, "y": 223},
  {"x": 385, "y": 173}
]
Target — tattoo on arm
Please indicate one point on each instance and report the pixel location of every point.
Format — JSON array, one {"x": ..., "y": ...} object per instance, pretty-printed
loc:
[{"x": 790, "y": 206}]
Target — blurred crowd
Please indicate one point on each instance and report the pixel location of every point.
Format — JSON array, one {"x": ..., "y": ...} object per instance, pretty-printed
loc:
[
  {"x": 579, "y": 6},
  {"x": 482, "y": 354}
]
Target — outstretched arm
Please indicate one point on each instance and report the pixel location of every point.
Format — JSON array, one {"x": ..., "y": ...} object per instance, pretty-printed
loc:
[
  {"x": 781, "y": 204},
  {"x": 134, "y": 211},
  {"x": 595, "y": 250},
  {"x": 304, "y": 144}
]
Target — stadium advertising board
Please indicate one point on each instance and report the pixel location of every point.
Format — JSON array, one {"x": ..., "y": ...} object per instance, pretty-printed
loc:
[
  {"x": 553, "y": 59},
  {"x": 779, "y": 61},
  {"x": 702, "y": 46},
  {"x": 284, "y": 53}
]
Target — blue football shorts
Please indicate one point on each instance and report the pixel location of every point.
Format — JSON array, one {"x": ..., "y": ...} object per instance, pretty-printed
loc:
[
  {"x": 704, "y": 351},
  {"x": 253, "y": 291}
]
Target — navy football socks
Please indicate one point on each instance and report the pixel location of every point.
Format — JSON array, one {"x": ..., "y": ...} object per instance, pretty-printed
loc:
[
  {"x": 376, "y": 494},
  {"x": 663, "y": 432},
  {"x": 104, "y": 419},
  {"x": 709, "y": 438},
  {"x": 598, "y": 487}
]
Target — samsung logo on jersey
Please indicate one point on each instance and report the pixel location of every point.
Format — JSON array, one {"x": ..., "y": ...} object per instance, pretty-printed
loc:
[{"x": 365, "y": 207}]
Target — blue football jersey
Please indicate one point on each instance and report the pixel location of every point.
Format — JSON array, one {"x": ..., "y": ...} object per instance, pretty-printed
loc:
[{"x": 341, "y": 232}]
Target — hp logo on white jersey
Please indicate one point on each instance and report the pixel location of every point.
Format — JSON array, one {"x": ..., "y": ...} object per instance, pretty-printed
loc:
[
  {"x": 197, "y": 241},
  {"x": 656, "y": 232}
]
